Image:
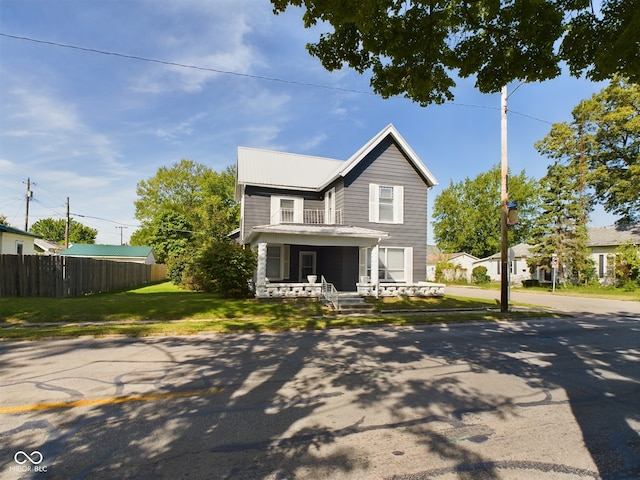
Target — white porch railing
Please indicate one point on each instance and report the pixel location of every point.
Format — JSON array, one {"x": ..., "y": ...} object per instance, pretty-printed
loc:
[
  {"x": 330, "y": 293},
  {"x": 420, "y": 289},
  {"x": 309, "y": 217}
]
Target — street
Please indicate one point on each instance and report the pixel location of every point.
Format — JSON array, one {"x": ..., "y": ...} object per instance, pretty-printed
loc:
[{"x": 548, "y": 398}]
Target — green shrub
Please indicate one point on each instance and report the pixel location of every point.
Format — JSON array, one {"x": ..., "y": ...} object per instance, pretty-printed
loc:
[
  {"x": 223, "y": 267},
  {"x": 479, "y": 275}
]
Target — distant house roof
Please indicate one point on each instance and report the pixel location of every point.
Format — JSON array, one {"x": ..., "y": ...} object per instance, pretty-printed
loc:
[
  {"x": 47, "y": 247},
  {"x": 613, "y": 235},
  {"x": 7, "y": 229},
  {"x": 522, "y": 250},
  {"x": 267, "y": 168},
  {"x": 91, "y": 250}
]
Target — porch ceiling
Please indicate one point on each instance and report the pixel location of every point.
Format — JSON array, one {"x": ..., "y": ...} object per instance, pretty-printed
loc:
[{"x": 318, "y": 235}]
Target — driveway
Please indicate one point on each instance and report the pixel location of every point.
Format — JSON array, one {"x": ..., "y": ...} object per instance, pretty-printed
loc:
[
  {"x": 563, "y": 303},
  {"x": 553, "y": 399}
]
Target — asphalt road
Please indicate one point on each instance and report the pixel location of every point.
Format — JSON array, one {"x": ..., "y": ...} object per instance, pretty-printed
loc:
[
  {"x": 579, "y": 305},
  {"x": 542, "y": 399}
]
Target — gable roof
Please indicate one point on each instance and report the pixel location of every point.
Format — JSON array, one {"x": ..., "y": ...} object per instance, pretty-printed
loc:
[
  {"x": 521, "y": 250},
  {"x": 7, "y": 229},
  {"x": 92, "y": 250},
  {"x": 47, "y": 246},
  {"x": 267, "y": 168},
  {"x": 391, "y": 131},
  {"x": 613, "y": 235}
]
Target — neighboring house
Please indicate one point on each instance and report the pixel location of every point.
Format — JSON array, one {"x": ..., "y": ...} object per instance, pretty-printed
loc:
[
  {"x": 518, "y": 267},
  {"x": 463, "y": 263},
  {"x": 318, "y": 217},
  {"x": 603, "y": 242},
  {"x": 45, "y": 247},
  {"x": 15, "y": 242},
  {"x": 120, "y": 253}
]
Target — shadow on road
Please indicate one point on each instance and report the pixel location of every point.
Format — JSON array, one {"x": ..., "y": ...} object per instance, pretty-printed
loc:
[{"x": 269, "y": 418}]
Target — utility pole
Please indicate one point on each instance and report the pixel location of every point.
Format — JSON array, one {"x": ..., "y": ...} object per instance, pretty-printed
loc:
[
  {"x": 29, "y": 197},
  {"x": 121, "y": 229},
  {"x": 504, "y": 233},
  {"x": 67, "y": 227}
]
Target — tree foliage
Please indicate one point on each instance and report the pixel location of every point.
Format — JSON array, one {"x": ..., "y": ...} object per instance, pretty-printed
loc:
[
  {"x": 561, "y": 228},
  {"x": 221, "y": 266},
  {"x": 412, "y": 47},
  {"x": 182, "y": 206},
  {"x": 628, "y": 262},
  {"x": 54, "y": 230},
  {"x": 605, "y": 136},
  {"x": 187, "y": 211},
  {"x": 467, "y": 214}
]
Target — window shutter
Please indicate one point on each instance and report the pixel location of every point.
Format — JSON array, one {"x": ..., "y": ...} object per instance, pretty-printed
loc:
[
  {"x": 298, "y": 210},
  {"x": 362, "y": 270},
  {"x": 408, "y": 264},
  {"x": 398, "y": 204},
  {"x": 275, "y": 210},
  {"x": 285, "y": 253},
  {"x": 374, "y": 193}
]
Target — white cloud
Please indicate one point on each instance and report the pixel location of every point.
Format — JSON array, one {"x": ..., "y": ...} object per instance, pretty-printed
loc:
[
  {"x": 54, "y": 131},
  {"x": 211, "y": 35}
]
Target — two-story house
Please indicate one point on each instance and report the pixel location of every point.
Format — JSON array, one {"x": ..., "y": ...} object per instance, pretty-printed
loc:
[{"x": 319, "y": 218}]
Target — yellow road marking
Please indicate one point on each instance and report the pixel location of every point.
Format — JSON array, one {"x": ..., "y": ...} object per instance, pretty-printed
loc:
[{"x": 110, "y": 401}]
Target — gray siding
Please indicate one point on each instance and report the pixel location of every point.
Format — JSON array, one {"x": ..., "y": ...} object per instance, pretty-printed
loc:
[
  {"x": 386, "y": 165},
  {"x": 257, "y": 204}
]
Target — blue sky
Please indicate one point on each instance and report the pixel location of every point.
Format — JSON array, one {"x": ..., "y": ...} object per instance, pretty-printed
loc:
[{"x": 90, "y": 126}]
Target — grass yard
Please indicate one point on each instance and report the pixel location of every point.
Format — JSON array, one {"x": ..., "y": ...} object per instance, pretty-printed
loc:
[{"x": 165, "y": 309}]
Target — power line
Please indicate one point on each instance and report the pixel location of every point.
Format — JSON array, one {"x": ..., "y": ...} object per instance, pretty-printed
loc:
[
  {"x": 237, "y": 74},
  {"x": 182, "y": 65}
]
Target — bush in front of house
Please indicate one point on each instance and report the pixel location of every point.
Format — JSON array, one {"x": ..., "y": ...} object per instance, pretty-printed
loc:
[
  {"x": 479, "y": 275},
  {"x": 221, "y": 266}
]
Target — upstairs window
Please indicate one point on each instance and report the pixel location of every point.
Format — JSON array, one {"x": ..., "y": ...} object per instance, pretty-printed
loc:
[
  {"x": 286, "y": 210},
  {"x": 386, "y": 203}
]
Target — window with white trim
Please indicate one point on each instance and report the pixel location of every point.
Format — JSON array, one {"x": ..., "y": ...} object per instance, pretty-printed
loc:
[
  {"x": 286, "y": 210},
  {"x": 395, "y": 264},
  {"x": 386, "y": 203},
  {"x": 277, "y": 262}
]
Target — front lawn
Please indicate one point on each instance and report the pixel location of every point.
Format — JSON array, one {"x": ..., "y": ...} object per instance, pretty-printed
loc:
[{"x": 165, "y": 309}]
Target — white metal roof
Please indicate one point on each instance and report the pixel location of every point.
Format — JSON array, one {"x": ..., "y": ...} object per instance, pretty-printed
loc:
[
  {"x": 287, "y": 170},
  {"x": 268, "y": 168}
]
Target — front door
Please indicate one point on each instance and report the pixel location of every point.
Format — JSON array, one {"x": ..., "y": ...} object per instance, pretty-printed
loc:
[{"x": 307, "y": 265}]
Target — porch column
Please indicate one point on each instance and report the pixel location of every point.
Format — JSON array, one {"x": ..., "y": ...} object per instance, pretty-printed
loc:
[
  {"x": 375, "y": 281},
  {"x": 262, "y": 264}
]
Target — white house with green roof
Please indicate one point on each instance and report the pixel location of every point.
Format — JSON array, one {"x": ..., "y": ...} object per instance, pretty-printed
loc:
[
  {"x": 15, "y": 242},
  {"x": 118, "y": 253}
]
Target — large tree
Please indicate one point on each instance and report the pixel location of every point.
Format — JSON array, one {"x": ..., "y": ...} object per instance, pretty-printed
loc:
[
  {"x": 605, "y": 135},
  {"x": 467, "y": 214},
  {"x": 54, "y": 230},
  {"x": 191, "y": 194},
  {"x": 561, "y": 229},
  {"x": 413, "y": 47},
  {"x": 183, "y": 205}
]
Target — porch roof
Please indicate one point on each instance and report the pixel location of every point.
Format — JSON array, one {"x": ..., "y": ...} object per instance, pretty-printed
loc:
[{"x": 319, "y": 235}]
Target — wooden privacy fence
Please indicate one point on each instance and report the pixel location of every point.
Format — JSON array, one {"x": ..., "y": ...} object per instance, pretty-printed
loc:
[{"x": 55, "y": 276}]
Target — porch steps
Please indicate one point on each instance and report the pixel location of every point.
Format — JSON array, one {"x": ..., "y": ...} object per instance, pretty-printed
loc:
[{"x": 351, "y": 303}]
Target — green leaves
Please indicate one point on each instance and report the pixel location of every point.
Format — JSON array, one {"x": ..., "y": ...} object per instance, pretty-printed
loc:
[
  {"x": 467, "y": 214},
  {"x": 54, "y": 230},
  {"x": 412, "y": 48},
  {"x": 605, "y": 135}
]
